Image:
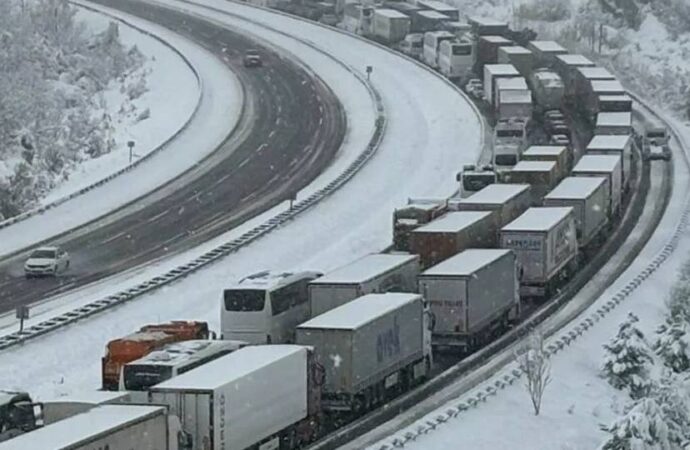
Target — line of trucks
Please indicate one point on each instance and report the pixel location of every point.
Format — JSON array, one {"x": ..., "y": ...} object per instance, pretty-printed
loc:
[{"x": 356, "y": 336}]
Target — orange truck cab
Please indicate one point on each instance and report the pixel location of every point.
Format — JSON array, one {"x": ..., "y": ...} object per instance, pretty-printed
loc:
[{"x": 119, "y": 352}]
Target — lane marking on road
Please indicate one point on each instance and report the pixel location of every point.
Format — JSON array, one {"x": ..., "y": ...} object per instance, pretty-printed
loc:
[
  {"x": 261, "y": 147},
  {"x": 115, "y": 237},
  {"x": 158, "y": 216},
  {"x": 271, "y": 134},
  {"x": 243, "y": 163}
]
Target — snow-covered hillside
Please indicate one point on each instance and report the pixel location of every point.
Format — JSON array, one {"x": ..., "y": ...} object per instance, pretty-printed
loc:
[{"x": 74, "y": 89}]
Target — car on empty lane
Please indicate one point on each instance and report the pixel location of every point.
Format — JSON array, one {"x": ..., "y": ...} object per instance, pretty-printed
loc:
[{"x": 46, "y": 261}]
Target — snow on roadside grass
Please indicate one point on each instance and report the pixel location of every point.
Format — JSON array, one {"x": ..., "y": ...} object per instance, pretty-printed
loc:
[{"x": 169, "y": 106}]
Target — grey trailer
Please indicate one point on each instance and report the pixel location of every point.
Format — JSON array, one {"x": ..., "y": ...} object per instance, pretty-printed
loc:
[
  {"x": 376, "y": 273},
  {"x": 612, "y": 144},
  {"x": 471, "y": 295},
  {"x": 609, "y": 167},
  {"x": 369, "y": 346},
  {"x": 589, "y": 198},
  {"x": 520, "y": 57},
  {"x": 545, "y": 241},
  {"x": 541, "y": 175}
]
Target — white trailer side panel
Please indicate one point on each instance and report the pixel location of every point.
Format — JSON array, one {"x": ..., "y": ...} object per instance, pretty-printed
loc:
[
  {"x": 116, "y": 427},
  {"x": 608, "y": 166},
  {"x": 362, "y": 342}
]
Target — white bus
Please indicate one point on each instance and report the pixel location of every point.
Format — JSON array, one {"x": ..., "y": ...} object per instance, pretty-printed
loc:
[
  {"x": 265, "y": 308},
  {"x": 432, "y": 41},
  {"x": 455, "y": 58},
  {"x": 172, "y": 360}
]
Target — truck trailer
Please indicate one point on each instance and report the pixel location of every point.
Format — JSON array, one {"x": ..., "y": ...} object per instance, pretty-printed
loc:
[
  {"x": 614, "y": 123},
  {"x": 597, "y": 89},
  {"x": 545, "y": 52},
  {"x": 487, "y": 51},
  {"x": 264, "y": 394},
  {"x": 611, "y": 144},
  {"x": 482, "y": 26},
  {"x": 371, "y": 348},
  {"x": 390, "y": 26},
  {"x": 548, "y": 89},
  {"x": 514, "y": 103},
  {"x": 505, "y": 201},
  {"x": 615, "y": 103},
  {"x": 416, "y": 213},
  {"x": 471, "y": 295},
  {"x": 585, "y": 75},
  {"x": 375, "y": 273},
  {"x": 112, "y": 427},
  {"x": 566, "y": 66},
  {"x": 558, "y": 153},
  {"x": 609, "y": 167},
  {"x": 541, "y": 175},
  {"x": 450, "y": 234},
  {"x": 545, "y": 241},
  {"x": 519, "y": 57},
  {"x": 508, "y": 84},
  {"x": 493, "y": 72},
  {"x": 589, "y": 198},
  {"x": 62, "y": 407}
]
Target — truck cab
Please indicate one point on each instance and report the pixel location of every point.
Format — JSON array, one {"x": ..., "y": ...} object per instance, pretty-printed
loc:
[
  {"x": 510, "y": 139},
  {"x": 417, "y": 212},
  {"x": 473, "y": 179},
  {"x": 18, "y": 414},
  {"x": 656, "y": 135},
  {"x": 413, "y": 45}
]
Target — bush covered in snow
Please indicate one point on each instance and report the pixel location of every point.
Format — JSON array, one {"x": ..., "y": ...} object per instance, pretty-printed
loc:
[
  {"x": 546, "y": 10},
  {"x": 626, "y": 360},
  {"x": 643, "y": 428},
  {"x": 51, "y": 73},
  {"x": 673, "y": 344}
]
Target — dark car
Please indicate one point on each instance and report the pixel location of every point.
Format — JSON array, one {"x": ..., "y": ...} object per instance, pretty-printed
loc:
[{"x": 252, "y": 58}]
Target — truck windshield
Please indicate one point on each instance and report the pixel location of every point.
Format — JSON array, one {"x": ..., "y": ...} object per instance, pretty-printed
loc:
[
  {"x": 244, "y": 299},
  {"x": 506, "y": 160},
  {"x": 462, "y": 49},
  {"x": 656, "y": 134},
  {"x": 509, "y": 133},
  {"x": 476, "y": 182}
]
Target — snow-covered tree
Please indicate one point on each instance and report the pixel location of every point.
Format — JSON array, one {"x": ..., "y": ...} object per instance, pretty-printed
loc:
[
  {"x": 672, "y": 394},
  {"x": 642, "y": 428},
  {"x": 673, "y": 343},
  {"x": 626, "y": 359},
  {"x": 535, "y": 366}
]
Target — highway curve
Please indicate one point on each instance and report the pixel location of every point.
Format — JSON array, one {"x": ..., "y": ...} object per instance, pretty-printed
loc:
[{"x": 293, "y": 127}]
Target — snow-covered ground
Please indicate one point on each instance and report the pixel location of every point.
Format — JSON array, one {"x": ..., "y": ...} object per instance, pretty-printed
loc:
[
  {"x": 220, "y": 108},
  {"x": 171, "y": 97},
  {"x": 433, "y": 131}
]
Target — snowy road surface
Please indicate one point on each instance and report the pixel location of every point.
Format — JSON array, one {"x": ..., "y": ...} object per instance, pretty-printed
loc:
[
  {"x": 430, "y": 135},
  {"x": 220, "y": 107}
]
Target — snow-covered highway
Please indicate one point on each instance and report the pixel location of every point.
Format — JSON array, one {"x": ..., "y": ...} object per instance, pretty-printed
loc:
[{"x": 430, "y": 134}]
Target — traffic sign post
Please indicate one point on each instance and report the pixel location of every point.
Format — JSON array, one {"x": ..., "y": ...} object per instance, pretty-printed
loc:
[
  {"x": 370, "y": 69},
  {"x": 293, "y": 198},
  {"x": 22, "y": 314},
  {"x": 130, "y": 144}
]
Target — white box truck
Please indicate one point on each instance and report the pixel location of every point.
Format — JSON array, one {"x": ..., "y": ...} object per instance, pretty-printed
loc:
[
  {"x": 609, "y": 167},
  {"x": 376, "y": 273},
  {"x": 520, "y": 57},
  {"x": 60, "y": 408},
  {"x": 508, "y": 84},
  {"x": 566, "y": 66},
  {"x": 558, "y": 153},
  {"x": 505, "y": 201},
  {"x": 514, "y": 103},
  {"x": 614, "y": 123},
  {"x": 545, "y": 52},
  {"x": 390, "y": 26},
  {"x": 541, "y": 175},
  {"x": 589, "y": 198},
  {"x": 471, "y": 295},
  {"x": 369, "y": 346},
  {"x": 548, "y": 89},
  {"x": 614, "y": 144},
  {"x": 545, "y": 241},
  {"x": 493, "y": 72},
  {"x": 256, "y": 395},
  {"x": 113, "y": 427}
]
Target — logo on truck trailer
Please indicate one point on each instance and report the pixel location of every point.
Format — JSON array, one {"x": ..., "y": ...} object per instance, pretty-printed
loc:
[{"x": 388, "y": 342}]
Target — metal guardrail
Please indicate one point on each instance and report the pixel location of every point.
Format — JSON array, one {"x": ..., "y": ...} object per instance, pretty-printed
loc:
[
  {"x": 565, "y": 338},
  {"x": 23, "y": 216},
  {"x": 220, "y": 251}
]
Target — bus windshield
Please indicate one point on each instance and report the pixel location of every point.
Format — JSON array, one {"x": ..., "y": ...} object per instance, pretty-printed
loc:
[
  {"x": 509, "y": 133},
  {"x": 140, "y": 378},
  {"x": 244, "y": 299}
]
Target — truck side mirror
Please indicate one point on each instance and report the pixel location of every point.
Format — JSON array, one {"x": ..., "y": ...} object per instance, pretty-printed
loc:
[{"x": 458, "y": 176}]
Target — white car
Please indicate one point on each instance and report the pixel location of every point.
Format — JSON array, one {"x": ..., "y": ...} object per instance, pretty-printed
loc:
[
  {"x": 49, "y": 261},
  {"x": 560, "y": 139}
]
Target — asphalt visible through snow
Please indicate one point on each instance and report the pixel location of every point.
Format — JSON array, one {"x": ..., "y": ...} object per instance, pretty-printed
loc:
[{"x": 291, "y": 128}]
